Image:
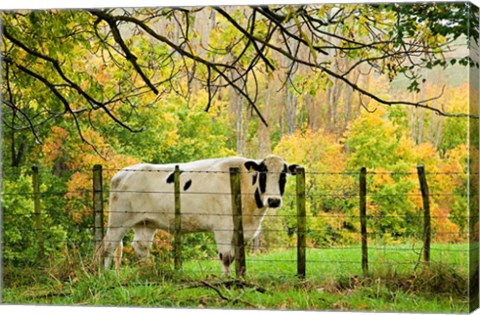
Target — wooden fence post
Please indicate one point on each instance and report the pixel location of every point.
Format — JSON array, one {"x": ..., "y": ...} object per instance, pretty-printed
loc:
[
  {"x": 177, "y": 242},
  {"x": 363, "y": 219},
  {"x": 38, "y": 213},
  {"x": 98, "y": 207},
  {"x": 426, "y": 213},
  {"x": 301, "y": 222},
  {"x": 238, "y": 239}
]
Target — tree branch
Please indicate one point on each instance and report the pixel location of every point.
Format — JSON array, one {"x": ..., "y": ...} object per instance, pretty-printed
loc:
[
  {"x": 217, "y": 67},
  {"x": 128, "y": 54},
  {"x": 57, "y": 67}
]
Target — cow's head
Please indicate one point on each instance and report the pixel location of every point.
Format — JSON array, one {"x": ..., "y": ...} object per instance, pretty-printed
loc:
[{"x": 268, "y": 179}]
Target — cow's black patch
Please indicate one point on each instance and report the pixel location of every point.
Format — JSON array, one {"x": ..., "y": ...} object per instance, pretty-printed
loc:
[
  {"x": 292, "y": 169},
  {"x": 262, "y": 169},
  {"x": 254, "y": 179},
  {"x": 263, "y": 182},
  {"x": 283, "y": 180},
  {"x": 258, "y": 199},
  {"x": 171, "y": 177},
  {"x": 252, "y": 166},
  {"x": 263, "y": 177},
  {"x": 187, "y": 185}
]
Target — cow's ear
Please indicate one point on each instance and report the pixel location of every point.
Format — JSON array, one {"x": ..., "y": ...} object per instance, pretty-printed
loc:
[
  {"x": 252, "y": 166},
  {"x": 292, "y": 169}
]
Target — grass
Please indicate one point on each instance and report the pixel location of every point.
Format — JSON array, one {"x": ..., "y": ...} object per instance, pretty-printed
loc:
[{"x": 334, "y": 282}]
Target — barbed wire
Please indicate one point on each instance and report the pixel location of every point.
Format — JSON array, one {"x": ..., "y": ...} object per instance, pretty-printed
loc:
[
  {"x": 263, "y": 231},
  {"x": 317, "y": 261},
  {"x": 280, "y": 215},
  {"x": 27, "y": 171},
  {"x": 170, "y": 192}
]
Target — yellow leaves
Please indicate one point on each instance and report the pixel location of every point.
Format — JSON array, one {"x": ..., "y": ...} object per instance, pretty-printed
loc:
[
  {"x": 171, "y": 138},
  {"x": 317, "y": 150},
  {"x": 102, "y": 76},
  {"x": 382, "y": 177}
]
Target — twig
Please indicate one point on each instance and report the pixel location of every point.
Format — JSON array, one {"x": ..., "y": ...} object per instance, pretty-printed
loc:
[
  {"x": 228, "y": 284},
  {"x": 208, "y": 285}
]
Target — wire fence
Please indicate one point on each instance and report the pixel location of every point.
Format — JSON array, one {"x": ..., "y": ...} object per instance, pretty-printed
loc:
[{"x": 320, "y": 229}]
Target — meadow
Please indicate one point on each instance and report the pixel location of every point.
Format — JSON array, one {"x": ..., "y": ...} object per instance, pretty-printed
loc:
[{"x": 397, "y": 281}]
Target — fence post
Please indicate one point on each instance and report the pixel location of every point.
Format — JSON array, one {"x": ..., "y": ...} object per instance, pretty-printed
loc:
[
  {"x": 38, "y": 212},
  {"x": 98, "y": 206},
  {"x": 426, "y": 213},
  {"x": 177, "y": 242},
  {"x": 301, "y": 222},
  {"x": 238, "y": 239},
  {"x": 363, "y": 219}
]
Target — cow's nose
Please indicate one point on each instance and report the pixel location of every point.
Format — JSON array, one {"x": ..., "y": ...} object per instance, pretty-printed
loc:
[{"x": 273, "y": 202}]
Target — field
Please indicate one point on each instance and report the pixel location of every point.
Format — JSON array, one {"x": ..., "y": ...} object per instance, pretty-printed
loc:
[{"x": 334, "y": 282}]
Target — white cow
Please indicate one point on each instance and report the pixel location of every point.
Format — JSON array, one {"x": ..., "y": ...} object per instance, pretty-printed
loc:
[{"x": 142, "y": 199}]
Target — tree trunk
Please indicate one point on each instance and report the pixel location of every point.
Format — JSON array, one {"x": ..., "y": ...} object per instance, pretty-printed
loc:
[
  {"x": 265, "y": 146},
  {"x": 335, "y": 94},
  {"x": 17, "y": 156},
  {"x": 438, "y": 133},
  {"x": 291, "y": 110},
  {"x": 328, "y": 102},
  {"x": 239, "y": 123}
]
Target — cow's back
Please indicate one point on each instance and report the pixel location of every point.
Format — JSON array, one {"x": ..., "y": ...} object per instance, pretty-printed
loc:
[{"x": 145, "y": 192}]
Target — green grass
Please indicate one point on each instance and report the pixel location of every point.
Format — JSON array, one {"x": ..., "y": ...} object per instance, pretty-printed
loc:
[{"x": 334, "y": 282}]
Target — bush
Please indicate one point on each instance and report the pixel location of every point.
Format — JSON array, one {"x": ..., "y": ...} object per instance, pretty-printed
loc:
[{"x": 19, "y": 224}]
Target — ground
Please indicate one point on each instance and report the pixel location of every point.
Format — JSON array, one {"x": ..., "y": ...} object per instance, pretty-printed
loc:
[{"x": 396, "y": 283}]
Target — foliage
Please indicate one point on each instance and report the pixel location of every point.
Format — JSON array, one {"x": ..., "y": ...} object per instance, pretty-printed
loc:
[
  {"x": 394, "y": 176},
  {"x": 21, "y": 232},
  {"x": 329, "y": 207},
  {"x": 172, "y": 130},
  {"x": 68, "y": 64}
]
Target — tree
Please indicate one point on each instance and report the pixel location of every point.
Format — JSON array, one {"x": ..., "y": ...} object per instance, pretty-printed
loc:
[{"x": 73, "y": 65}]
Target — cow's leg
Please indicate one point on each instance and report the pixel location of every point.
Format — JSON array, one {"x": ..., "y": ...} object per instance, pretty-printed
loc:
[
  {"x": 143, "y": 240},
  {"x": 225, "y": 250},
  {"x": 118, "y": 256},
  {"x": 111, "y": 241}
]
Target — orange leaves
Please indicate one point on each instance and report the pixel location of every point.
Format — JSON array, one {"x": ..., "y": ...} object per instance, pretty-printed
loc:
[
  {"x": 64, "y": 150},
  {"x": 162, "y": 243},
  {"x": 445, "y": 231},
  {"x": 53, "y": 147}
]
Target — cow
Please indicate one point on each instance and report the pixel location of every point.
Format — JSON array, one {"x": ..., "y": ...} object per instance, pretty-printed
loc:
[{"x": 142, "y": 199}]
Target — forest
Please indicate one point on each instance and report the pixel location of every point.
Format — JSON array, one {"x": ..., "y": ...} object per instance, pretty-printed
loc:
[{"x": 333, "y": 88}]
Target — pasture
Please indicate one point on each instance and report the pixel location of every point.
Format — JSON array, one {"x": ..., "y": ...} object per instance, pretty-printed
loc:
[{"x": 333, "y": 282}]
